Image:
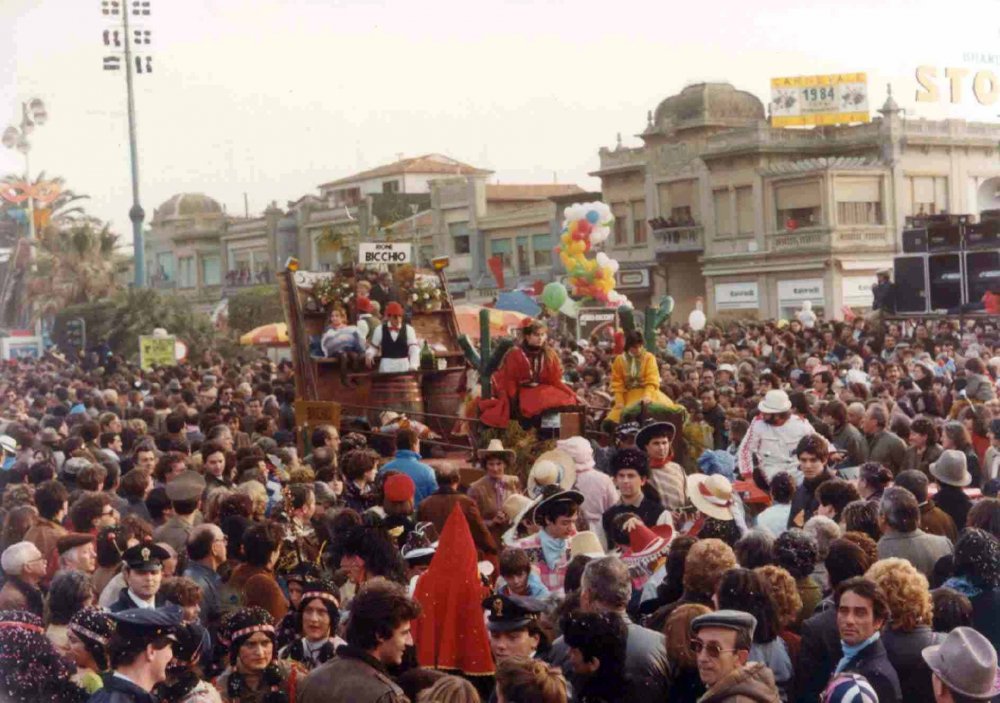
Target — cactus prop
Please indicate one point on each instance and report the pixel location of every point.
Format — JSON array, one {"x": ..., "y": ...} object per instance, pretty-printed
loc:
[
  {"x": 487, "y": 359},
  {"x": 655, "y": 318}
]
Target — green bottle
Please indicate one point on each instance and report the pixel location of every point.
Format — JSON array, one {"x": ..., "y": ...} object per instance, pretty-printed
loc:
[{"x": 426, "y": 357}]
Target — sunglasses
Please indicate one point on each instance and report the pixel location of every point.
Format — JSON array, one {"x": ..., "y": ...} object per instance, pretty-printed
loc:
[{"x": 711, "y": 648}]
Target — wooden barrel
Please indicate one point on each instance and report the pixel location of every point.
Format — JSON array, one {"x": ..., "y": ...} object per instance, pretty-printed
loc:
[
  {"x": 395, "y": 391},
  {"x": 444, "y": 392}
]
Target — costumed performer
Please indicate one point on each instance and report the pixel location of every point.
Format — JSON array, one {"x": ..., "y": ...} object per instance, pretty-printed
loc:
[
  {"x": 253, "y": 674},
  {"x": 343, "y": 341},
  {"x": 530, "y": 378},
  {"x": 635, "y": 377},
  {"x": 396, "y": 343}
]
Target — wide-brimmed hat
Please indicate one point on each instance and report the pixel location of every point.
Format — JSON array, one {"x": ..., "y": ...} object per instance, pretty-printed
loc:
[
  {"x": 966, "y": 663},
  {"x": 952, "y": 469},
  {"x": 712, "y": 495},
  {"x": 587, "y": 544},
  {"x": 554, "y": 467},
  {"x": 8, "y": 443},
  {"x": 516, "y": 505},
  {"x": 495, "y": 448},
  {"x": 646, "y": 544},
  {"x": 775, "y": 402},
  {"x": 551, "y": 495},
  {"x": 653, "y": 430}
]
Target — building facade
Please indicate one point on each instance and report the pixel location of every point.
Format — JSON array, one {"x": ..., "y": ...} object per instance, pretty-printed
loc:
[{"x": 756, "y": 220}]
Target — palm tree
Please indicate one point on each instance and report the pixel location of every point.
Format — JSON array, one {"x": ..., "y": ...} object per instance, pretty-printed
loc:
[{"x": 74, "y": 264}]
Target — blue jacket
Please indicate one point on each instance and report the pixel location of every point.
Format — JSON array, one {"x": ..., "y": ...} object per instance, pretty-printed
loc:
[
  {"x": 118, "y": 690},
  {"x": 408, "y": 462}
]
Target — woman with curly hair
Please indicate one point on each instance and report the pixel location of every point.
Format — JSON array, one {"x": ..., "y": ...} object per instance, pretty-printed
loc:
[
  {"x": 253, "y": 674},
  {"x": 742, "y": 589},
  {"x": 796, "y": 551},
  {"x": 685, "y": 683},
  {"x": 787, "y": 603},
  {"x": 706, "y": 562},
  {"x": 977, "y": 577},
  {"x": 908, "y": 631}
]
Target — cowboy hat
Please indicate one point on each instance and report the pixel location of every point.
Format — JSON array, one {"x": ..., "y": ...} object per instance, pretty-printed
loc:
[
  {"x": 552, "y": 495},
  {"x": 496, "y": 448},
  {"x": 518, "y": 508},
  {"x": 775, "y": 402},
  {"x": 653, "y": 430},
  {"x": 552, "y": 467},
  {"x": 712, "y": 495},
  {"x": 586, "y": 544}
]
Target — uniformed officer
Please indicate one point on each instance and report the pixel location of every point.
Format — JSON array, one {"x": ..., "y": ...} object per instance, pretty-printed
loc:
[
  {"x": 185, "y": 494},
  {"x": 140, "y": 650},
  {"x": 143, "y": 573},
  {"x": 514, "y": 628}
]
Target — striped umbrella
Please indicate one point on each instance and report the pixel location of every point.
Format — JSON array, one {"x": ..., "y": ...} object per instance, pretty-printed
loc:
[
  {"x": 503, "y": 323},
  {"x": 273, "y": 335}
]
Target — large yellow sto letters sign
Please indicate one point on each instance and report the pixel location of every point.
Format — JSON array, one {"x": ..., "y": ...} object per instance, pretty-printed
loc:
[{"x": 985, "y": 85}]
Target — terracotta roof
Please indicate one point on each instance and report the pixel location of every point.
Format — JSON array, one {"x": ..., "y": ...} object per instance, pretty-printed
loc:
[
  {"x": 542, "y": 191},
  {"x": 428, "y": 163}
]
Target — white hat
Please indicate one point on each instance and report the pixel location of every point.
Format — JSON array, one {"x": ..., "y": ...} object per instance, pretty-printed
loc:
[
  {"x": 712, "y": 495},
  {"x": 727, "y": 367},
  {"x": 585, "y": 543},
  {"x": 552, "y": 467},
  {"x": 16, "y": 556},
  {"x": 8, "y": 443},
  {"x": 775, "y": 402}
]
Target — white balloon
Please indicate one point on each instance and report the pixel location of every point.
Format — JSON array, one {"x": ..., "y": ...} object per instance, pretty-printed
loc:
[{"x": 697, "y": 320}]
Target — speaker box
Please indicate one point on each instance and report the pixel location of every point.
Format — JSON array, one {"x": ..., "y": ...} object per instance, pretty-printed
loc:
[
  {"x": 982, "y": 271},
  {"x": 984, "y": 235},
  {"x": 915, "y": 240},
  {"x": 944, "y": 273},
  {"x": 910, "y": 277},
  {"x": 944, "y": 237}
]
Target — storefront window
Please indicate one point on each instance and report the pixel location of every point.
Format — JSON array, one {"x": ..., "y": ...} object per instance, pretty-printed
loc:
[
  {"x": 541, "y": 250},
  {"x": 501, "y": 248},
  {"x": 210, "y": 270},
  {"x": 459, "y": 232}
]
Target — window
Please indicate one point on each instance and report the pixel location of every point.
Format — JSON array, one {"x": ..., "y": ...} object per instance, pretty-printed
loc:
[
  {"x": 459, "y": 232},
  {"x": 185, "y": 272},
  {"x": 523, "y": 257},
  {"x": 744, "y": 210},
  {"x": 723, "y": 216},
  {"x": 541, "y": 251},
  {"x": 501, "y": 248},
  {"x": 928, "y": 194},
  {"x": 211, "y": 270},
  {"x": 390, "y": 186},
  {"x": 620, "y": 211},
  {"x": 859, "y": 201},
  {"x": 638, "y": 221},
  {"x": 798, "y": 205},
  {"x": 164, "y": 266},
  {"x": 678, "y": 202}
]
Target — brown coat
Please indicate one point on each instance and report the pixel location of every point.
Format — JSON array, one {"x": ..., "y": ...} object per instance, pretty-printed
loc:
[
  {"x": 935, "y": 521},
  {"x": 436, "y": 508},
  {"x": 350, "y": 677},
  {"x": 259, "y": 587},
  {"x": 751, "y": 683},
  {"x": 44, "y": 535},
  {"x": 482, "y": 492},
  {"x": 11, "y": 598}
]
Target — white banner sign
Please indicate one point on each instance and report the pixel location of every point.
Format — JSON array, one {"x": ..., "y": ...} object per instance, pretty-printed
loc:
[
  {"x": 810, "y": 289},
  {"x": 384, "y": 253},
  {"x": 858, "y": 291},
  {"x": 736, "y": 296}
]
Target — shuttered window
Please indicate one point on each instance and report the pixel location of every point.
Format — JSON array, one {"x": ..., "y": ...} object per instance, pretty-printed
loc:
[
  {"x": 744, "y": 210},
  {"x": 723, "y": 214},
  {"x": 797, "y": 196},
  {"x": 858, "y": 190},
  {"x": 638, "y": 221}
]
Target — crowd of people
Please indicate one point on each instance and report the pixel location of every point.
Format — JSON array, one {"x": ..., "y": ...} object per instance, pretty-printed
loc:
[{"x": 759, "y": 511}]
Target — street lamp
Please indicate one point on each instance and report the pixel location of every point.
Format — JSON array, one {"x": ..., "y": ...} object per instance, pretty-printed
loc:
[{"x": 33, "y": 114}]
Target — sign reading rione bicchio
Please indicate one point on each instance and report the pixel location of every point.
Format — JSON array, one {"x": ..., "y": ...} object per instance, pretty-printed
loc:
[{"x": 384, "y": 253}]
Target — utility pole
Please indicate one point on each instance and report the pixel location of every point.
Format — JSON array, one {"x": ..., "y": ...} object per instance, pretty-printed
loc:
[{"x": 141, "y": 64}]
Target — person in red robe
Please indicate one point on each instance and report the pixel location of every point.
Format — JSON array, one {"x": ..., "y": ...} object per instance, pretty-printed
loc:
[{"x": 529, "y": 380}]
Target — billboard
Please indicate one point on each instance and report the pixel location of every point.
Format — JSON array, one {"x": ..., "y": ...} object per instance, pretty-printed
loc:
[
  {"x": 157, "y": 351},
  {"x": 819, "y": 100},
  {"x": 371, "y": 253}
]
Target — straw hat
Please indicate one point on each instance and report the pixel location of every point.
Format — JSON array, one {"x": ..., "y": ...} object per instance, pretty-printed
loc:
[
  {"x": 496, "y": 448},
  {"x": 554, "y": 467},
  {"x": 712, "y": 495},
  {"x": 516, "y": 505},
  {"x": 585, "y": 543}
]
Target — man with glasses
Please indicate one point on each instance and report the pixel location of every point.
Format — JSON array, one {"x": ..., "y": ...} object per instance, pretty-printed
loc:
[
  {"x": 24, "y": 568},
  {"x": 721, "y": 642}
]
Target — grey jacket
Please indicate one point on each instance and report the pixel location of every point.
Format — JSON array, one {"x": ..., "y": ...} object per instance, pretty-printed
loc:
[
  {"x": 917, "y": 547},
  {"x": 887, "y": 449},
  {"x": 645, "y": 664}
]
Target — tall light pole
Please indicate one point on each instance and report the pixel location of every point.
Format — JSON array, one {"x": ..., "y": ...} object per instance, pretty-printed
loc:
[
  {"x": 142, "y": 64},
  {"x": 33, "y": 114}
]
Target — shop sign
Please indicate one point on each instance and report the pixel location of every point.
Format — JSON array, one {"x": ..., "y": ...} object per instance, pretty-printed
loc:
[
  {"x": 858, "y": 290},
  {"x": 384, "y": 253},
  {"x": 635, "y": 279},
  {"x": 810, "y": 289},
  {"x": 736, "y": 296},
  {"x": 591, "y": 320},
  {"x": 20, "y": 348}
]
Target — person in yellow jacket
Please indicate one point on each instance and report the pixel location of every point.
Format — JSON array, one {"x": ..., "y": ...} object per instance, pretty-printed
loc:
[{"x": 635, "y": 377}]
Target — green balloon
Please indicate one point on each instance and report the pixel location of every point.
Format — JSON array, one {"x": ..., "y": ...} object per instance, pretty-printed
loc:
[
  {"x": 554, "y": 295},
  {"x": 666, "y": 305}
]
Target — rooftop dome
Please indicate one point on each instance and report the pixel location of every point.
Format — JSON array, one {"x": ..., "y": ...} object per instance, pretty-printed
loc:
[
  {"x": 185, "y": 205},
  {"x": 707, "y": 105}
]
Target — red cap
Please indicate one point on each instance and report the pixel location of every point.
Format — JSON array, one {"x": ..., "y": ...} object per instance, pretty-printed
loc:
[
  {"x": 364, "y": 305},
  {"x": 393, "y": 308},
  {"x": 399, "y": 488}
]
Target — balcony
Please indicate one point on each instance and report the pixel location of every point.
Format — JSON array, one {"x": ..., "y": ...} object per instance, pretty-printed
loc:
[{"x": 670, "y": 240}]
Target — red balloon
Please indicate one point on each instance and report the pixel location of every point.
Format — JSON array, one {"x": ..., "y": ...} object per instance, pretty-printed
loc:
[
  {"x": 584, "y": 227},
  {"x": 586, "y": 245}
]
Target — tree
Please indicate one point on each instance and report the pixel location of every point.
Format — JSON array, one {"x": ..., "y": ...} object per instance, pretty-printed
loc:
[{"x": 74, "y": 264}]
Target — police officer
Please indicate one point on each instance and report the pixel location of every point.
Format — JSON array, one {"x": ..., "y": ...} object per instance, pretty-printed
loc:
[
  {"x": 140, "y": 650},
  {"x": 185, "y": 494},
  {"x": 513, "y": 626},
  {"x": 143, "y": 573}
]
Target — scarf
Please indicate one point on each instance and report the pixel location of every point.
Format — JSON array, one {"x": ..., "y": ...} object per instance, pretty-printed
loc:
[
  {"x": 851, "y": 651},
  {"x": 963, "y": 585},
  {"x": 552, "y": 548}
]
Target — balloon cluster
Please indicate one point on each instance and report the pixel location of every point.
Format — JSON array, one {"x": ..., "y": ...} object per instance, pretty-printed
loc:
[{"x": 585, "y": 225}]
